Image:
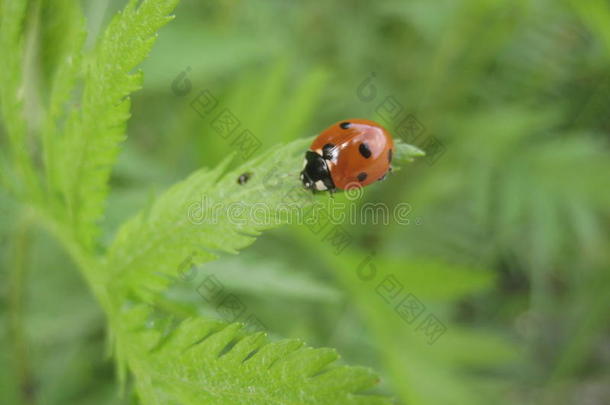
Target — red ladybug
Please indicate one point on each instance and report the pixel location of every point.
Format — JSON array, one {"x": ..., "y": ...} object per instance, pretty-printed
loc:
[{"x": 348, "y": 154}]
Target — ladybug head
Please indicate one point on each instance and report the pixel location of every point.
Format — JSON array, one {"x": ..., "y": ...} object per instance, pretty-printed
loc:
[{"x": 315, "y": 174}]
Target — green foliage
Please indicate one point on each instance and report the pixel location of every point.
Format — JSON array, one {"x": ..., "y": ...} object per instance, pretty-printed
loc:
[
  {"x": 201, "y": 361},
  {"x": 94, "y": 132},
  {"x": 193, "y": 219},
  {"x": 206, "y": 362},
  {"x": 11, "y": 100},
  {"x": 506, "y": 244}
]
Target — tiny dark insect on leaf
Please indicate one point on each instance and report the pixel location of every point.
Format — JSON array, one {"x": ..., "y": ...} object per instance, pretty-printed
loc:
[{"x": 243, "y": 178}]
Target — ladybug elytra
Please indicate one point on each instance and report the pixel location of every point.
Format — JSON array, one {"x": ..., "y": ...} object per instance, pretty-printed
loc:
[{"x": 348, "y": 154}]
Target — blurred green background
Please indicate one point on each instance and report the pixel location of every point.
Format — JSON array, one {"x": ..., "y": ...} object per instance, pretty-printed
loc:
[{"x": 507, "y": 243}]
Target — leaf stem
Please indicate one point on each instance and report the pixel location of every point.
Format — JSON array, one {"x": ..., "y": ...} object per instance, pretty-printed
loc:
[{"x": 18, "y": 266}]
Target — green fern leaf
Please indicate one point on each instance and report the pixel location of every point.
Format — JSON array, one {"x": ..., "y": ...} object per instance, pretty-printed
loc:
[
  {"x": 12, "y": 16},
  {"x": 150, "y": 250},
  {"x": 208, "y": 362},
  {"x": 64, "y": 35},
  {"x": 209, "y": 212},
  {"x": 195, "y": 216},
  {"x": 95, "y": 131}
]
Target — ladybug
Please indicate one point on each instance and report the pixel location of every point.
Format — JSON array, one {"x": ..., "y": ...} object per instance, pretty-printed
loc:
[
  {"x": 348, "y": 154},
  {"x": 243, "y": 178}
]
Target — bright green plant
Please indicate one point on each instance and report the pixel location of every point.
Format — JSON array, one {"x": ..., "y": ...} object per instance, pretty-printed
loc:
[{"x": 83, "y": 119}]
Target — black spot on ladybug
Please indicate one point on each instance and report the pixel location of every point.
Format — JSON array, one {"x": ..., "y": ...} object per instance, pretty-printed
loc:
[
  {"x": 345, "y": 125},
  {"x": 390, "y": 156},
  {"x": 327, "y": 151},
  {"x": 364, "y": 150},
  {"x": 362, "y": 176},
  {"x": 243, "y": 178}
]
